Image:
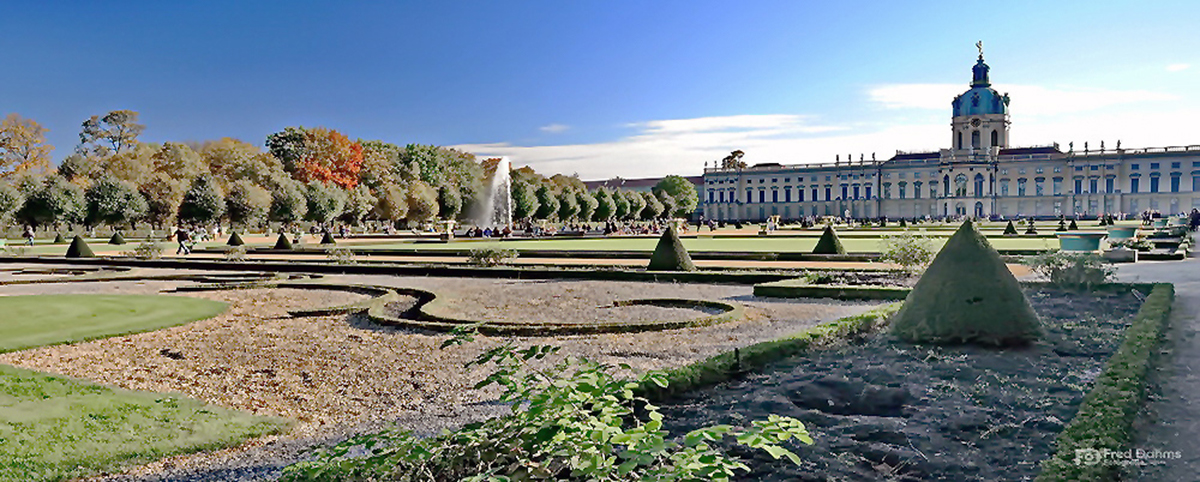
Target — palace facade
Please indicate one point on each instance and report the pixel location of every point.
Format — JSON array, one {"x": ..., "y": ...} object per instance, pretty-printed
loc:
[{"x": 979, "y": 175}]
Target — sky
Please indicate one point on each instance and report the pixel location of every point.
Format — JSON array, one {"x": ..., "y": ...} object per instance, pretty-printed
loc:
[{"x": 607, "y": 88}]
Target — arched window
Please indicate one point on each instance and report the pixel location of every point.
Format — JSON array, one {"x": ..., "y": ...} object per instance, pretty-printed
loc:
[
  {"x": 978, "y": 185},
  {"x": 960, "y": 185},
  {"x": 1004, "y": 187},
  {"x": 903, "y": 188},
  {"x": 995, "y": 138},
  {"x": 1021, "y": 186},
  {"x": 974, "y": 139},
  {"x": 916, "y": 189},
  {"x": 946, "y": 185},
  {"x": 960, "y": 140}
]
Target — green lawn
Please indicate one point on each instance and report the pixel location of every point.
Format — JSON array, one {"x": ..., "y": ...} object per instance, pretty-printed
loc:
[
  {"x": 56, "y": 428},
  {"x": 764, "y": 244},
  {"x": 39, "y": 320}
]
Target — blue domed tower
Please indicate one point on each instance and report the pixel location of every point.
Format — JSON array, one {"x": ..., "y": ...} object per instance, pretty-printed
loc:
[{"x": 980, "y": 114}]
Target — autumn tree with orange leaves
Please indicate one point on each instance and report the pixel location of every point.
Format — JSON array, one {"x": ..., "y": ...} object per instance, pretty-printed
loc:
[
  {"x": 23, "y": 145},
  {"x": 318, "y": 154}
]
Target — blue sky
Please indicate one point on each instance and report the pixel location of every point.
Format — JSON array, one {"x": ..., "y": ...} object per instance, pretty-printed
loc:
[{"x": 606, "y": 88}]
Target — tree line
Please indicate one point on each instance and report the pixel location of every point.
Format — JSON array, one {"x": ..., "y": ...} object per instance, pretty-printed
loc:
[{"x": 316, "y": 175}]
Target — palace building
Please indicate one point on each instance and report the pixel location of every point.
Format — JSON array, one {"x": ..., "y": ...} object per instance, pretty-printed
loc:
[{"x": 980, "y": 175}]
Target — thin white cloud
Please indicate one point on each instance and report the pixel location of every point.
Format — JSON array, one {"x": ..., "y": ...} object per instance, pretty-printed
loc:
[
  {"x": 917, "y": 120},
  {"x": 1029, "y": 100},
  {"x": 1177, "y": 67},
  {"x": 554, "y": 128}
]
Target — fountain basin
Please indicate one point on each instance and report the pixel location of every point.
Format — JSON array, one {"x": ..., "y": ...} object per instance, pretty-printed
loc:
[{"x": 1080, "y": 241}]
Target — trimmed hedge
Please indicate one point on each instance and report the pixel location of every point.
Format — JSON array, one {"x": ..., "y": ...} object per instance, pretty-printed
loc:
[
  {"x": 1105, "y": 419},
  {"x": 797, "y": 288},
  {"x": 731, "y": 364}
]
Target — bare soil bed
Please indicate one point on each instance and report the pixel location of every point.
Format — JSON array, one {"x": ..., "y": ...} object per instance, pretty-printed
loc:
[
  {"x": 338, "y": 375},
  {"x": 886, "y": 410}
]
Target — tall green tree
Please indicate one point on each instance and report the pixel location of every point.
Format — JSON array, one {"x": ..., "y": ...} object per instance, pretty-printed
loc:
[
  {"x": 113, "y": 202},
  {"x": 247, "y": 204},
  {"x": 547, "y": 202},
  {"x": 54, "y": 200},
  {"x": 621, "y": 207},
  {"x": 288, "y": 203},
  {"x": 605, "y": 208},
  {"x": 163, "y": 194},
  {"x": 113, "y": 134},
  {"x": 450, "y": 202},
  {"x": 682, "y": 192},
  {"x": 652, "y": 208},
  {"x": 203, "y": 202},
  {"x": 422, "y": 202},
  {"x": 179, "y": 161},
  {"x": 524, "y": 200},
  {"x": 11, "y": 199},
  {"x": 391, "y": 202},
  {"x": 359, "y": 203},
  {"x": 325, "y": 202},
  {"x": 637, "y": 203},
  {"x": 568, "y": 205},
  {"x": 587, "y": 205}
]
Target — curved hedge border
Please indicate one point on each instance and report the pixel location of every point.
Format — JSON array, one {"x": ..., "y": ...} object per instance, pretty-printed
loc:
[
  {"x": 731, "y": 364},
  {"x": 420, "y": 317},
  {"x": 1105, "y": 419},
  {"x": 797, "y": 288},
  {"x": 425, "y": 319}
]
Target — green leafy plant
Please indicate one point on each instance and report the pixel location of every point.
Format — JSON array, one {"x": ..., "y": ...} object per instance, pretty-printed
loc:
[
  {"x": 491, "y": 256},
  {"x": 570, "y": 420},
  {"x": 341, "y": 255},
  {"x": 1072, "y": 270},
  {"x": 912, "y": 252},
  {"x": 146, "y": 250},
  {"x": 236, "y": 254}
]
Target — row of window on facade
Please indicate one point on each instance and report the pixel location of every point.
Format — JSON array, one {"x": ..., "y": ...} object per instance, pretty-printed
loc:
[{"x": 853, "y": 192}]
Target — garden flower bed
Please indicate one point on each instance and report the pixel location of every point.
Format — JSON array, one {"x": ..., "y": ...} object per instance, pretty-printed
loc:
[{"x": 884, "y": 409}]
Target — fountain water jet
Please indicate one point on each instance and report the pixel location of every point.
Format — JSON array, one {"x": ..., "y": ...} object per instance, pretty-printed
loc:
[{"x": 495, "y": 209}]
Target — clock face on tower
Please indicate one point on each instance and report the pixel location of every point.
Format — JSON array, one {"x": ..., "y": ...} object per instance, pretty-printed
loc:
[{"x": 975, "y": 122}]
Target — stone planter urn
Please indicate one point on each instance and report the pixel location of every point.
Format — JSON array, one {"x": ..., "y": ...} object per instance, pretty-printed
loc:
[
  {"x": 1080, "y": 241},
  {"x": 1120, "y": 255},
  {"x": 1121, "y": 233}
]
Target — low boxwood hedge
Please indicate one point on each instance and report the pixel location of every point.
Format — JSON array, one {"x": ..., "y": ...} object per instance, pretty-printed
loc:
[
  {"x": 725, "y": 366},
  {"x": 1105, "y": 419}
]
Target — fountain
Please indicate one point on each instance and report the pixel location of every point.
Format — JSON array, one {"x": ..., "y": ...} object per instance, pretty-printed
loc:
[{"x": 495, "y": 209}]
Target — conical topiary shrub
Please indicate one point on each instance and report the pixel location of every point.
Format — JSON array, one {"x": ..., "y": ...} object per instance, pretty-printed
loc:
[
  {"x": 328, "y": 238},
  {"x": 670, "y": 255},
  {"x": 283, "y": 242},
  {"x": 967, "y": 295},
  {"x": 116, "y": 238},
  {"x": 829, "y": 243},
  {"x": 1073, "y": 226},
  {"x": 59, "y": 239},
  {"x": 1030, "y": 229},
  {"x": 902, "y": 223},
  {"x": 1010, "y": 230},
  {"x": 235, "y": 240},
  {"x": 79, "y": 248},
  {"x": 1062, "y": 225}
]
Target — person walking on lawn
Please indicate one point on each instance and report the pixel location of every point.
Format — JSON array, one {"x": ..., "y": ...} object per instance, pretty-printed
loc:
[
  {"x": 181, "y": 235},
  {"x": 28, "y": 234}
]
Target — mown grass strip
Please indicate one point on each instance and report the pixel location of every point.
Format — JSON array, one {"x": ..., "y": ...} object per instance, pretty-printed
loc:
[
  {"x": 55, "y": 428},
  {"x": 38, "y": 320},
  {"x": 1105, "y": 419}
]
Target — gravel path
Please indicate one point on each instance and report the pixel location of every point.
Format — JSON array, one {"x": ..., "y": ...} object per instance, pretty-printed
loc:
[
  {"x": 1171, "y": 419},
  {"x": 338, "y": 375}
]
